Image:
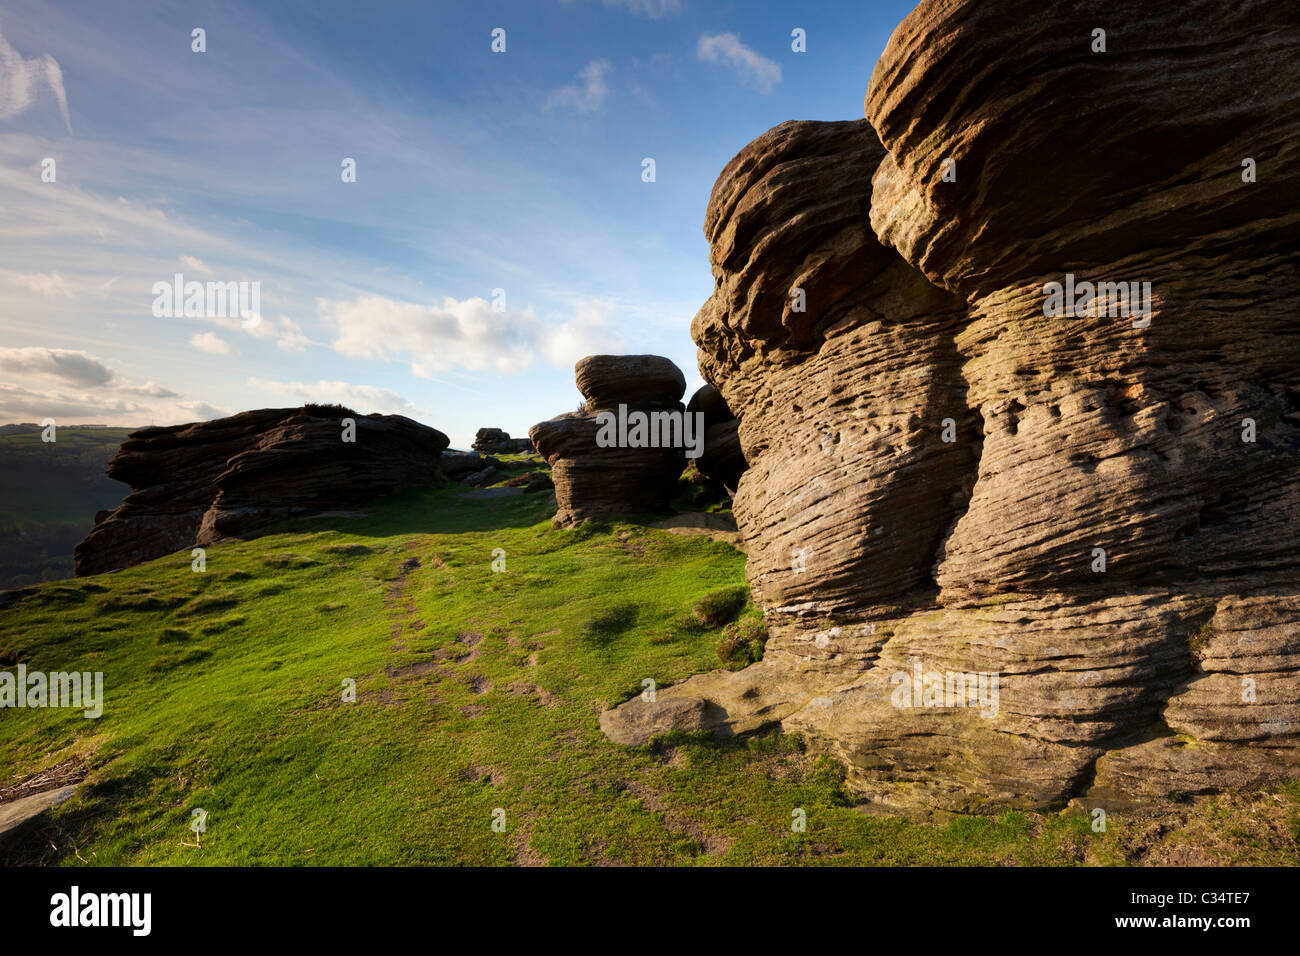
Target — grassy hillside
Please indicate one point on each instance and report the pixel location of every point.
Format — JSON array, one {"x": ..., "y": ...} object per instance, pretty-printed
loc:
[
  {"x": 475, "y": 690},
  {"x": 49, "y": 493}
]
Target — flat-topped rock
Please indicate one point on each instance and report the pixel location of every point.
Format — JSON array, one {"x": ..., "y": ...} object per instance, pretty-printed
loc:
[{"x": 606, "y": 381}]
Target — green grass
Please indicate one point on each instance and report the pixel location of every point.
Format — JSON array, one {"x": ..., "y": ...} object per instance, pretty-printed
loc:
[{"x": 474, "y": 690}]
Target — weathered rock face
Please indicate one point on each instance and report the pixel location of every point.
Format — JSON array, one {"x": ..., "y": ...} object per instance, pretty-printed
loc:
[
  {"x": 594, "y": 482},
  {"x": 231, "y": 477},
  {"x": 1097, "y": 532},
  {"x": 494, "y": 441}
]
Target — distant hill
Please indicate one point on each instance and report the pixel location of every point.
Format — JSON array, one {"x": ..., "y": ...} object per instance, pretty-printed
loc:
[{"x": 49, "y": 493}]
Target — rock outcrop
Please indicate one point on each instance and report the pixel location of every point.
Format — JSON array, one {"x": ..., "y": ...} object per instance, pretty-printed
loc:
[
  {"x": 232, "y": 477},
  {"x": 1009, "y": 557},
  {"x": 494, "y": 441},
  {"x": 462, "y": 466},
  {"x": 531, "y": 482},
  {"x": 597, "y": 479}
]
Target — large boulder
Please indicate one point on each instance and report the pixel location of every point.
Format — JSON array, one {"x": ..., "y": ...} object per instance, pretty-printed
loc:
[
  {"x": 1009, "y": 557},
  {"x": 458, "y": 465},
  {"x": 595, "y": 482},
  {"x": 233, "y": 477},
  {"x": 606, "y": 381}
]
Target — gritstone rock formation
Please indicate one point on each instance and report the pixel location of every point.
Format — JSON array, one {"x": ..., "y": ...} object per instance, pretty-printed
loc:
[
  {"x": 493, "y": 441},
  {"x": 1081, "y": 528},
  {"x": 462, "y": 466},
  {"x": 199, "y": 483},
  {"x": 595, "y": 482}
]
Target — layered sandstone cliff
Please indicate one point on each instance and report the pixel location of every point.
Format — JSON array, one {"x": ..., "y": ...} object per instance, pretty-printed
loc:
[{"x": 947, "y": 484}]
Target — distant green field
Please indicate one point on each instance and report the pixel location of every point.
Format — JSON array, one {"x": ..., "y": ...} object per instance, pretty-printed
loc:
[
  {"x": 49, "y": 493},
  {"x": 477, "y": 692}
]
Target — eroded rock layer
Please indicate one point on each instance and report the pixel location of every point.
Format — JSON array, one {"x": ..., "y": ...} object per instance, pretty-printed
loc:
[
  {"x": 949, "y": 485},
  {"x": 231, "y": 477}
]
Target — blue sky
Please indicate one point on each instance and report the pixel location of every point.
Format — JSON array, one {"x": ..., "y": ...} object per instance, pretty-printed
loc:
[{"x": 475, "y": 171}]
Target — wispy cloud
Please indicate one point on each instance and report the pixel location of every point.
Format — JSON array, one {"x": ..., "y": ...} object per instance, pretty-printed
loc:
[
  {"x": 587, "y": 96},
  {"x": 291, "y": 337},
  {"x": 197, "y": 264},
  {"x": 43, "y": 283},
  {"x": 752, "y": 68},
  {"x": 20, "y": 79}
]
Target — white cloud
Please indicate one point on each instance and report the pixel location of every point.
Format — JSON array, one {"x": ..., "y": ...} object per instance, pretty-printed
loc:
[
  {"x": 587, "y": 333},
  {"x": 262, "y": 330},
  {"x": 195, "y": 263},
  {"x": 363, "y": 398},
  {"x": 587, "y": 97},
  {"x": 73, "y": 367},
  {"x": 210, "y": 342},
  {"x": 20, "y": 78},
  {"x": 726, "y": 48},
  {"x": 467, "y": 335}
]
